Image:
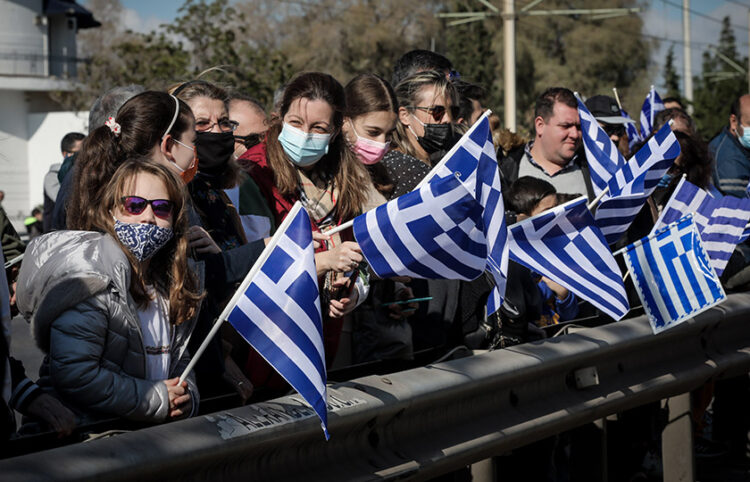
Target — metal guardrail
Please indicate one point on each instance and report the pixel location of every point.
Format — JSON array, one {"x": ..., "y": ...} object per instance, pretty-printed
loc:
[{"x": 422, "y": 422}]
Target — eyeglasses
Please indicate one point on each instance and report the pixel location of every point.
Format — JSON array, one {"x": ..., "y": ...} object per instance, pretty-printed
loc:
[
  {"x": 225, "y": 125},
  {"x": 614, "y": 129},
  {"x": 135, "y": 205},
  {"x": 437, "y": 111},
  {"x": 249, "y": 140}
]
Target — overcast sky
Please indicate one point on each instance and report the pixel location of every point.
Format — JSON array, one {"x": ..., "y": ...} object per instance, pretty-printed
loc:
[{"x": 663, "y": 19}]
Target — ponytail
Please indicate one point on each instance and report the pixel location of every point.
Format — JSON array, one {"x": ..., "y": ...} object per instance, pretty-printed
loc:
[{"x": 95, "y": 164}]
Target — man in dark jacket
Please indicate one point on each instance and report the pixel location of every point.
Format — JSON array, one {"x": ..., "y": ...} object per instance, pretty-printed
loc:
[
  {"x": 731, "y": 150},
  {"x": 554, "y": 154}
]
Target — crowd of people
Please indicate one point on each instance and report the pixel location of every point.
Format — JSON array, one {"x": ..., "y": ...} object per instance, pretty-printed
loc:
[{"x": 157, "y": 214}]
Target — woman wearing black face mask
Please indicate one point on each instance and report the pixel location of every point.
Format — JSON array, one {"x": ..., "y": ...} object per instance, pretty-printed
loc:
[
  {"x": 225, "y": 238},
  {"x": 426, "y": 104},
  {"x": 214, "y": 143}
]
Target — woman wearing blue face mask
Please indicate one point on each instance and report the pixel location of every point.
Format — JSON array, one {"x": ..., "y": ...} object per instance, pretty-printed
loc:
[
  {"x": 114, "y": 308},
  {"x": 305, "y": 158}
]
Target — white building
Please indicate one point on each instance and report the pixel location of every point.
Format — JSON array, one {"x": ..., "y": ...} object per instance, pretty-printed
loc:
[{"x": 37, "y": 56}]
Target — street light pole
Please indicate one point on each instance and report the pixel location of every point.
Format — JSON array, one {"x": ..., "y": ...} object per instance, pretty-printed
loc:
[
  {"x": 509, "y": 64},
  {"x": 687, "y": 53}
]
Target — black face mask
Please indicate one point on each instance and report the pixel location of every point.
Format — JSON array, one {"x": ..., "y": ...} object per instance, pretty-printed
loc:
[
  {"x": 214, "y": 151},
  {"x": 249, "y": 140},
  {"x": 436, "y": 137}
]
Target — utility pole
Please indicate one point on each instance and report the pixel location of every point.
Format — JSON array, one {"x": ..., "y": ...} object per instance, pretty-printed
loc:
[
  {"x": 509, "y": 16},
  {"x": 687, "y": 53},
  {"x": 509, "y": 81}
]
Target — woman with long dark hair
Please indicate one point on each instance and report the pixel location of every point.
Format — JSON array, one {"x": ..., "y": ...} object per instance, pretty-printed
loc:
[{"x": 305, "y": 158}]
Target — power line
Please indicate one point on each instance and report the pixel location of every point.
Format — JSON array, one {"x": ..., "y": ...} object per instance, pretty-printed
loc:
[
  {"x": 738, "y": 3},
  {"x": 703, "y": 15}
]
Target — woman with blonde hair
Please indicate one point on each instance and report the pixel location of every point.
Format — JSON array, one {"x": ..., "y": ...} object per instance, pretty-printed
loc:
[{"x": 428, "y": 103}]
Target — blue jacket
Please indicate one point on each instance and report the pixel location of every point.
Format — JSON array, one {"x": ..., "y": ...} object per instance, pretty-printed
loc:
[{"x": 732, "y": 163}]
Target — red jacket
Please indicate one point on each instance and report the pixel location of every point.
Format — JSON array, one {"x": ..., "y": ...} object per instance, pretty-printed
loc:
[{"x": 254, "y": 161}]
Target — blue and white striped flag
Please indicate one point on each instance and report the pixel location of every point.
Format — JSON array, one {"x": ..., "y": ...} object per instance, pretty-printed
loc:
[
  {"x": 634, "y": 137},
  {"x": 279, "y": 312},
  {"x": 631, "y": 186},
  {"x": 565, "y": 245},
  {"x": 603, "y": 157},
  {"x": 672, "y": 274},
  {"x": 434, "y": 232},
  {"x": 720, "y": 222},
  {"x": 473, "y": 160},
  {"x": 651, "y": 106}
]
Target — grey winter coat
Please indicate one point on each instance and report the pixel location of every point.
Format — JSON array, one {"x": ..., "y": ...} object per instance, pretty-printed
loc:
[{"x": 73, "y": 289}]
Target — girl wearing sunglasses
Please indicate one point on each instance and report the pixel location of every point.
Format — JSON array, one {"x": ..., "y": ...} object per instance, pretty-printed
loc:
[
  {"x": 427, "y": 103},
  {"x": 114, "y": 308}
]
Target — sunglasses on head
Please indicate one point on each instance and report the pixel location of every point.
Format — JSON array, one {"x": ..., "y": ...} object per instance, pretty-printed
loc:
[
  {"x": 135, "y": 205},
  {"x": 249, "y": 140},
  {"x": 437, "y": 111}
]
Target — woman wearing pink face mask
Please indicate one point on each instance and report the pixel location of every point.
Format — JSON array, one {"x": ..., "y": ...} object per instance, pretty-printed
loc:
[
  {"x": 369, "y": 122},
  {"x": 380, "y": 328}
]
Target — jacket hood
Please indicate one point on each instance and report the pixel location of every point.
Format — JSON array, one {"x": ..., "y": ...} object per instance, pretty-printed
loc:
[{"x": 64, "y": 268}]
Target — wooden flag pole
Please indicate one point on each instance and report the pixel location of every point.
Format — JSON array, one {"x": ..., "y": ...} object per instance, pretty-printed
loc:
[
  {"x": 617, "y": 97},
  {"x": 598, "y": 198},
  {"x": 241, "y": 290}
]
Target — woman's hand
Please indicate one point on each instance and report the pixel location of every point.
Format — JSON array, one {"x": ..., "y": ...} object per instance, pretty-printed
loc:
[
  {"x": 178, "y": 396},
  {"x": 339, "y": 308},
  {"x": 319, "y": 238},
  {"x": 342, "y": 258},
  {"x": 52, "y": 411},
  {"x": 234, "y": 376},
  {"x": 201, "y": 241}
]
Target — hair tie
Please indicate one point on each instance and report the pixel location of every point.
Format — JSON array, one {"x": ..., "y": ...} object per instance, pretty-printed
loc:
[{"x": 113, "y": 126}]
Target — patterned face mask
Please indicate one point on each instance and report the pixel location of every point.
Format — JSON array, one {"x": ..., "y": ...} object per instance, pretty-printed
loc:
[{"x": 143, "y": 240}]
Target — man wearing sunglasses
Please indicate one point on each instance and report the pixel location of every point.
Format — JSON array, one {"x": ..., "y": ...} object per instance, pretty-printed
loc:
[
  {"x": 256, "y": 218},
  {"x": 251, "y": 119},
  {"x": 606, "y": 111}
]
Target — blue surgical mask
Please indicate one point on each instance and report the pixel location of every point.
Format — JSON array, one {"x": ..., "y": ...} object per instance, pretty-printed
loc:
[
  {"x": 302, "y": 148},
  {"x": 143, "y": 240},
  {"x": 745, "y": 137}
]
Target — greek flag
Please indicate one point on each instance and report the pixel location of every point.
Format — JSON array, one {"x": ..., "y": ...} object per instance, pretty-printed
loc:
[
  {"x": 434, "y": 232},
  {"x": 651, "y": 106},
  {"x": 634, "y": 137},
  {"x": 473, "y": 160},
  {"x": 603, "y": 157},
  {"x": 633, "y": 184},
  {"x": 673, "y": 275},
  {"x": 565, "y": 245},
  {"x": 720, "y": 222},
  {"x": 278, "y": 312}
]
